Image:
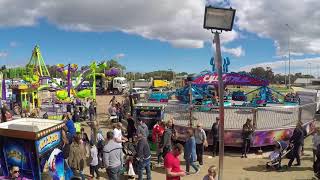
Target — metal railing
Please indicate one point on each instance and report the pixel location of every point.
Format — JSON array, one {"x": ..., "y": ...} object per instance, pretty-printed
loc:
[{"x": 263, "y": 117}]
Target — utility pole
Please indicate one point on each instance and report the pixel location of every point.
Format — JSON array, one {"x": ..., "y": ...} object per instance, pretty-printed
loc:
[
  {"x": 285, "y": 71},
  {"x": 317, "y": 71},
  {"x": 289, "y": 55}
]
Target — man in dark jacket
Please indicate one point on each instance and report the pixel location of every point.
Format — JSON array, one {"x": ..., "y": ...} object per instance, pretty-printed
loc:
[
  {"x": 296, "y": 141},
  {"x": 247, "y": 131},
  {"x": 166, "y": 140},
  {"x": 142, "y": 128},
  {"x": 215, "y": 136},
  {"x": 143, "y": 156}
]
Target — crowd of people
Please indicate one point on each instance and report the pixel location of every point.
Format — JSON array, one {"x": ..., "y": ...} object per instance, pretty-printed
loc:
[{"x": 105, "y": 151}]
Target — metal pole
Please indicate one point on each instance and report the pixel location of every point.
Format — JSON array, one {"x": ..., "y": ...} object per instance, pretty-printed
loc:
[
  {"x": 285, "y": 72},
  {"x": 289, "y": 55},
  {"x": 221, "y": 104},
  {"x": 318, "y": 71},
  {"x": 69, "y": 79},
  {"x": 190, "y": 103}
]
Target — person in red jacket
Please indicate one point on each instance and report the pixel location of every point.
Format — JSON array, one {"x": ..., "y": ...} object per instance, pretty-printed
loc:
[{"x": 157, "y": 133}]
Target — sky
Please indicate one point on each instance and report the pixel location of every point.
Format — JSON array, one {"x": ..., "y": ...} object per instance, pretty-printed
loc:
[{"x": 161, "y": 34}]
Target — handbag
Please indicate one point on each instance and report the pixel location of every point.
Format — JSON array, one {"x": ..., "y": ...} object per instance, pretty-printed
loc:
[
  {"x": 131, "y": 170},
  {"x": 205, "y": 143}
]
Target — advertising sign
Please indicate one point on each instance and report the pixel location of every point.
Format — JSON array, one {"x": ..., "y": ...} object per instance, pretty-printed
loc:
[
  {"x": 16, "y": 155},
  {"x": 150, "y": 114},
  {"x": 48, "y": 142}
]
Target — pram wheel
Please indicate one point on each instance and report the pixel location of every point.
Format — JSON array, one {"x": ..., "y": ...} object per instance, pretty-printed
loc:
[{"x": 267, "y": 166}]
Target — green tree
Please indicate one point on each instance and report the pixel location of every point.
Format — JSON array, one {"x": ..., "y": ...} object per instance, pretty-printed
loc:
[{"x": 114, "y": 64}]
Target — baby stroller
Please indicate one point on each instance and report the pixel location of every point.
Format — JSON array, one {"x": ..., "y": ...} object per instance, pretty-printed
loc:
[
  {"x": 282, "y": 149},
  {"x": 129, "y": 149}
]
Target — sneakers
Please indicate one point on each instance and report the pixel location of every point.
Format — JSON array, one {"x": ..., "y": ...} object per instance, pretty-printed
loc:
[
  {"x": 244, "y": 156},
  {"x": 197, "y": 172}
]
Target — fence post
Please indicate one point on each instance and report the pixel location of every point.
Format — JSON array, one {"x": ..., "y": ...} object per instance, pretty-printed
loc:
[
  {"x": 254, "y": 112},
  {"x": 300, "y": 114}
]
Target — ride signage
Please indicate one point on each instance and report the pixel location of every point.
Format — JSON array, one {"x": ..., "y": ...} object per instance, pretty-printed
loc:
[
  {"x": 231, "y": 79},
  {"x": 48, "y": 142}
]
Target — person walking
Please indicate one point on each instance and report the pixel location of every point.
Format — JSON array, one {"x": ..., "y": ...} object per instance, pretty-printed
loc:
[
  {"x": 131, "y": 129},
  {"x": 157, "y": 133},
  {"x": 4, "y": 111},
  {"x": 215, "y": 136},
  {"x": 91, "y": 111},
  {"x": 304, "y": 131},
  {"x": 100, "y": 145},
  {"x": 296, "y": 141},
  {"x": 315, "y": 143},
  {"x": 143, "y": 156},
  {"x": 201, "y": 141},
  {"x": 77, "y": 157},
  {"x": 113, "y": 100},
  {"x": 65, "y": 143},
  {"x": 85, "y": 139},
  {"x": 190, "y": 152},
  {"x": 142, "y": 128},
  {"x": 172, "y": 163},
  {"x": 94, "y": 160},
  {"x": 247, "y": 131},
  {"x": 166, "y": 140},
  {"x": 117, "y": 134},
  {"x": 113, "y": 157}
]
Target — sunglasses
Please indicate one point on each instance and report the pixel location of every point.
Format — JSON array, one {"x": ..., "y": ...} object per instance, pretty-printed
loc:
[{"x": 16, "y": 171}]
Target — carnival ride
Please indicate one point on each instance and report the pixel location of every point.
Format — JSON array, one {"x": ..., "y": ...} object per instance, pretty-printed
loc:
[
  {"x": 36, "y": 78},
  {"x": 271, "y": 122}
]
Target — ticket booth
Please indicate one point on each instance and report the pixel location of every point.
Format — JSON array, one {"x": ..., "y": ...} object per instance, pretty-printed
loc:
[{"x": 30, "y": 144}]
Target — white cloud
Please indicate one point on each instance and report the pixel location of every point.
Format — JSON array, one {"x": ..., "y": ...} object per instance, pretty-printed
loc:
[
  {"x": 3, "y": 54},
  {"x": 237, "y": 52},
  {"x": 120, "y": 55},
  {"x": 13, "y": 44},
  {"x": 269, "y": 18},
  {"x": 297, "y": 65},
  {"x": 177, "y": 22}
]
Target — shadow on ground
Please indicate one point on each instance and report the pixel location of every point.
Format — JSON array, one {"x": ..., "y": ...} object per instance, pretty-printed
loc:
[{"x": 262, "y": 168}]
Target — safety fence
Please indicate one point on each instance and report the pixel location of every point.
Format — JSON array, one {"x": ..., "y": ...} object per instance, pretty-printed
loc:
[{"x": 275, "y": 116}]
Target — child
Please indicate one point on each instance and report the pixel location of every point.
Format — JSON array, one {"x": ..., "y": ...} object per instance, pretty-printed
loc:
[
  {"x": 190, "y": 152},
  {"x": 94, "y": 160},
  {"x": 212, "y": 173},
  {"x": 315, "y": 142}
]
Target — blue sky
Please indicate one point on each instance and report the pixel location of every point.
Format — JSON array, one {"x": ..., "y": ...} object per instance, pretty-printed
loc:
[{"x": 165, "y": 37}]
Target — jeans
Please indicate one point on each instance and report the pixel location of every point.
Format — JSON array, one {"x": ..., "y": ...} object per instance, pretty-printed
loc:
[
  {"x": 77, "y": 173},
  {"x": 145, "y": 164},
  {"x": 94, "y": 169},
  {"x": 114, "y": 173},
  {"x": 188, "y": 163},
  {"x": 199, "y": 150},
  {"x": 245, "y": 146},
  {"x": 159, "y": 157},
  {"x": 165, "y": 150},
  {"x": 295, "y": 154}
]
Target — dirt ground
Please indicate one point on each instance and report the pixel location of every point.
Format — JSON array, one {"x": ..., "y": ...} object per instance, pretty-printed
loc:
[{"x": 235, "y": 168}]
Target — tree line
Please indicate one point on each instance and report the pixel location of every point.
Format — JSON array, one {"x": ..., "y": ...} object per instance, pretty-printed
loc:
[{"x": 265, "y": 73}]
